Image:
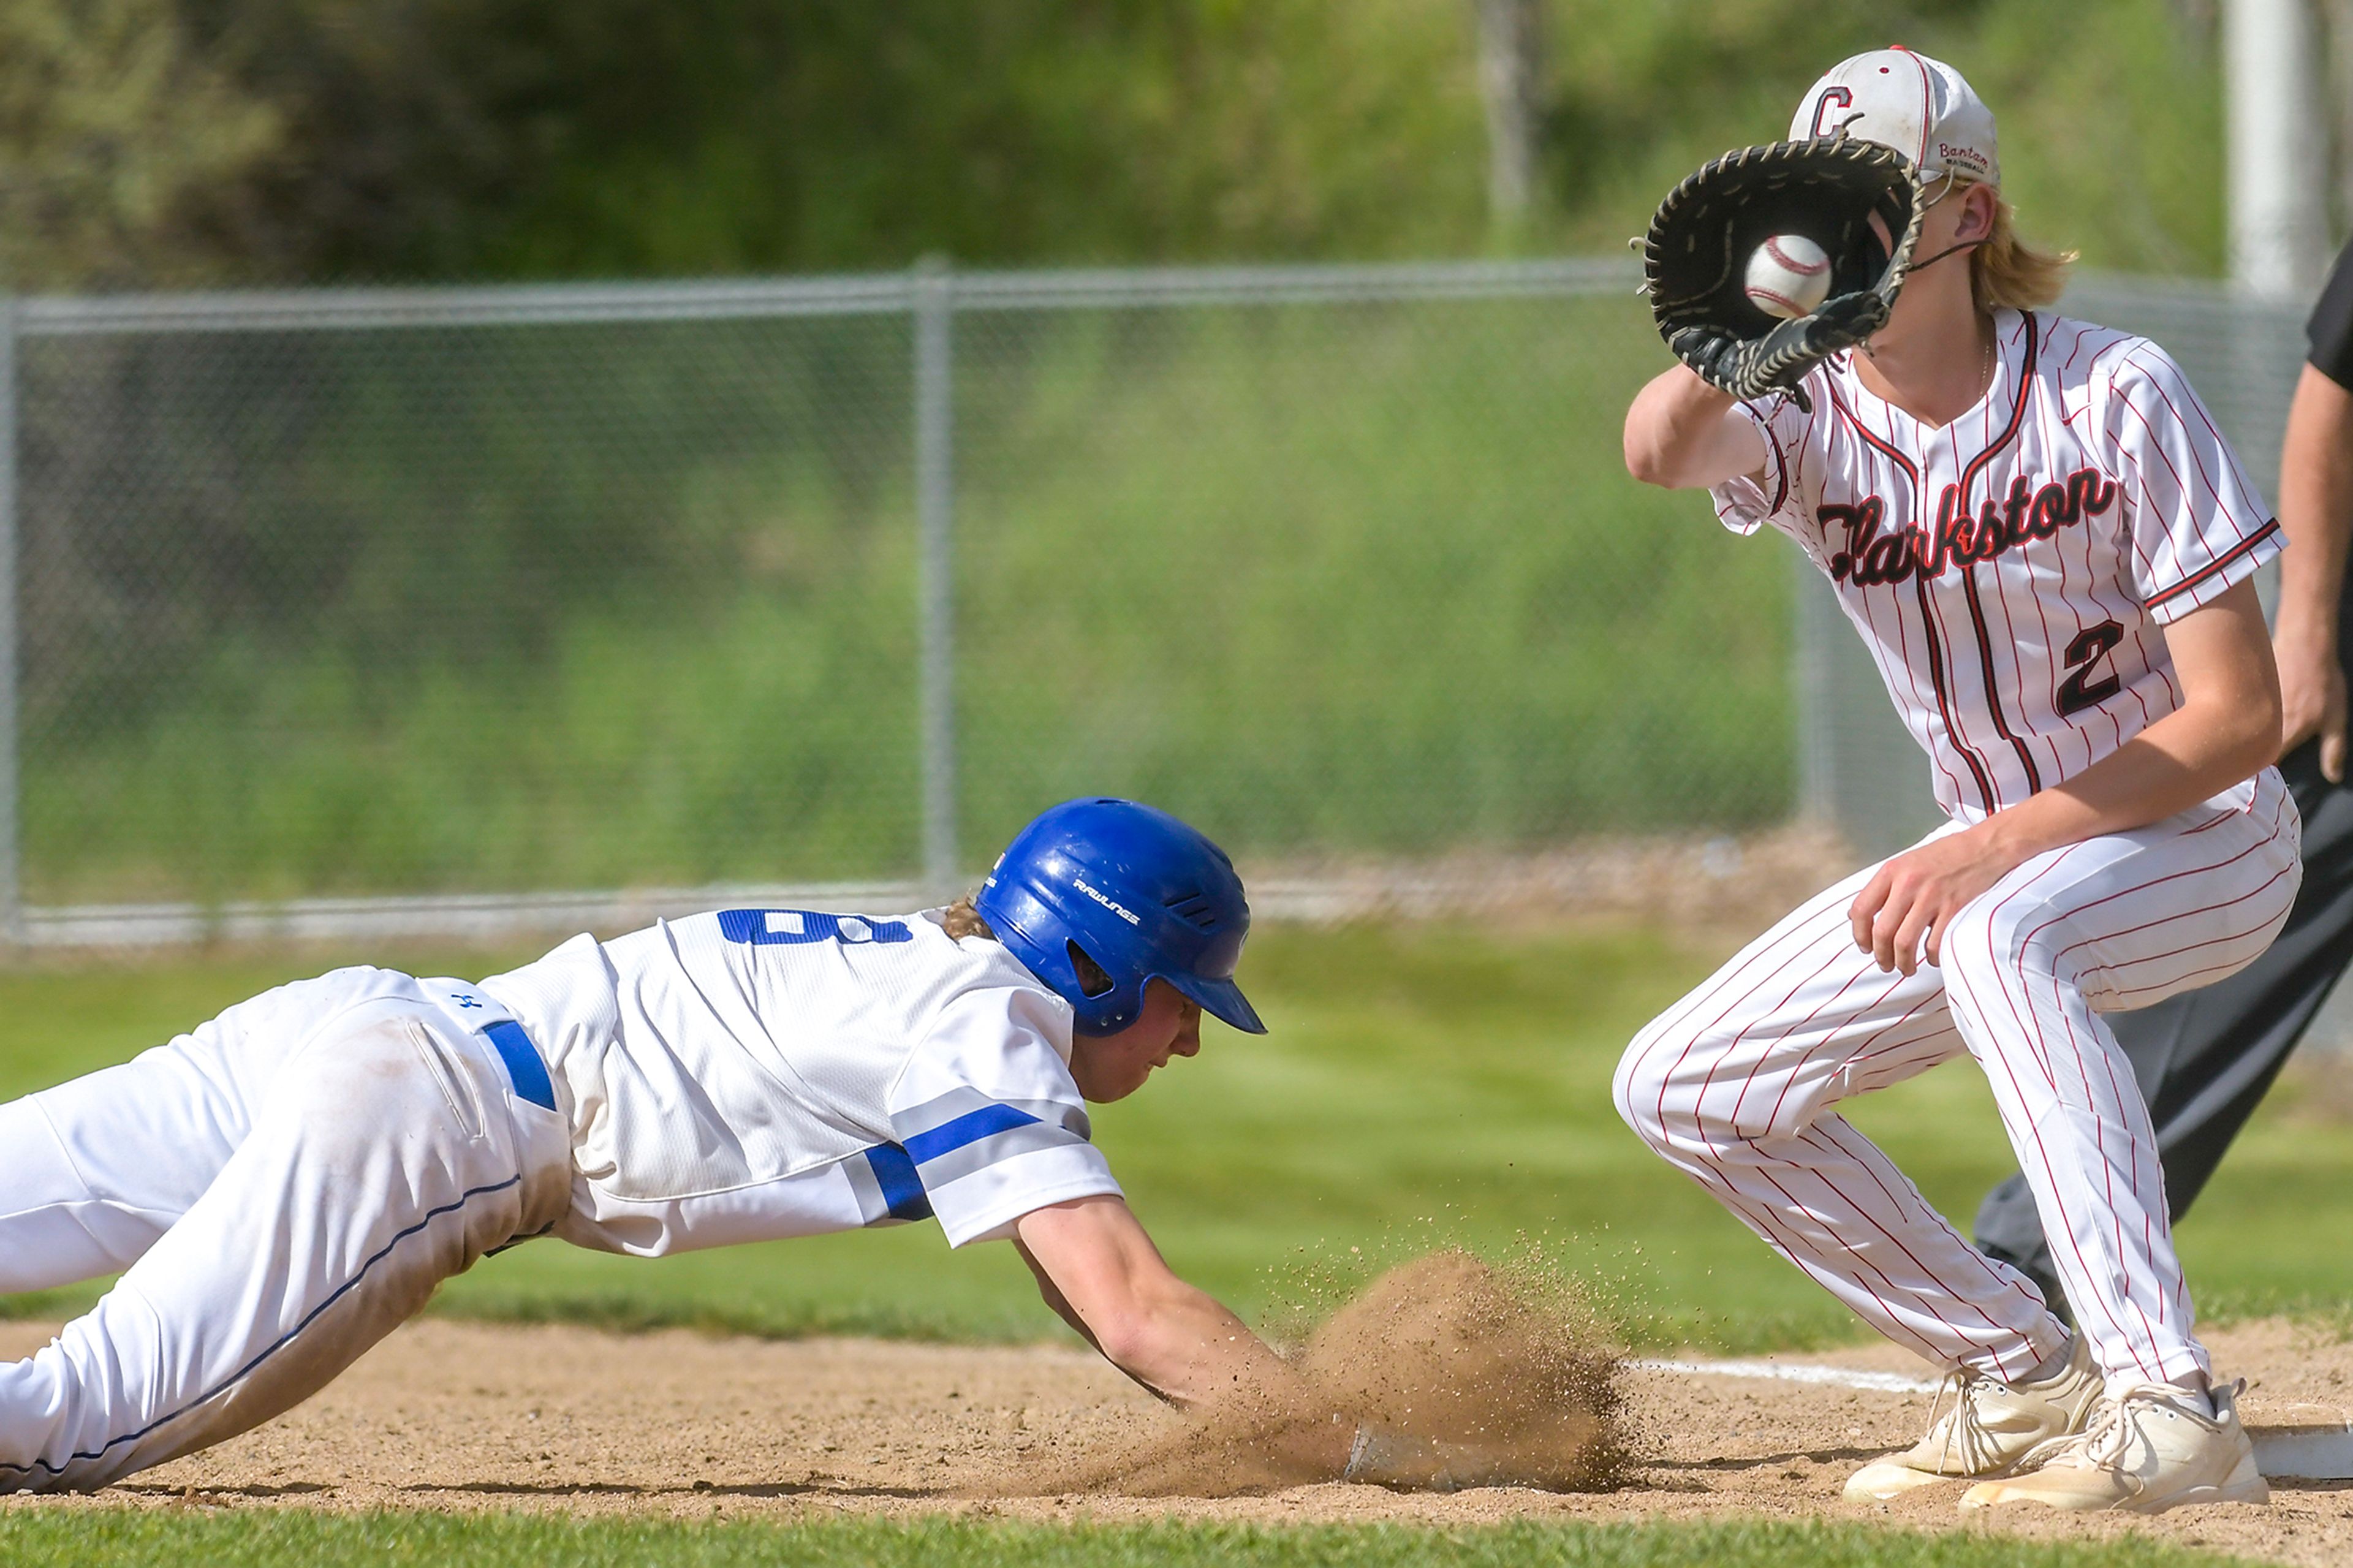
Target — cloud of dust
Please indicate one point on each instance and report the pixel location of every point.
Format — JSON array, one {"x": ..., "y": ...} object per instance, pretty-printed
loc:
[{"x": 1513, "y": 1379}]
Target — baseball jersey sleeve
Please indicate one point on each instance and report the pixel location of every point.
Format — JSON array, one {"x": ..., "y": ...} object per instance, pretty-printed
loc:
[
  {"x": 2196, "y": 524},
  {"x": 1777, "y": 494},
  {"x": 990, "y": 1118}
]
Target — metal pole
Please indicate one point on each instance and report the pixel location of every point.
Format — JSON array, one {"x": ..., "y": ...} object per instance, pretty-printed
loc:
[
  {"x": 2278, "y": 136},
  {"x": 934, "y": 569},
  {"x": 12, "y": 908}
]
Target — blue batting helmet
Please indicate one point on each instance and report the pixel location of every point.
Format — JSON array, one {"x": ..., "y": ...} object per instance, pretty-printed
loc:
[{"x": 1139, "y": 893}]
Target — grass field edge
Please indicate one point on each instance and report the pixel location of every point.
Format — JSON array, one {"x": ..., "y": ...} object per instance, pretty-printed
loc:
[{"x": 267, "y": 1536}]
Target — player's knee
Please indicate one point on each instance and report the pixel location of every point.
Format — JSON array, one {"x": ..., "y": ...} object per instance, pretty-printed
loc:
[
  {"x": 1998, "y": 964},
  {"x": 47, "y": 1402},
  {"x": 1974, "y": 944},
  {"x": 1644, "y": 1077}
]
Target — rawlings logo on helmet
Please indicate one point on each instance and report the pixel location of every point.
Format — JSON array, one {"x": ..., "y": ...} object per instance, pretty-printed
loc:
[{"x": 1113, "y": 905}]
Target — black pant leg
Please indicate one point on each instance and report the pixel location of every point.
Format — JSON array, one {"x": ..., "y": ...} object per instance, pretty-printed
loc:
[{"x": 2204, "y": 1060}]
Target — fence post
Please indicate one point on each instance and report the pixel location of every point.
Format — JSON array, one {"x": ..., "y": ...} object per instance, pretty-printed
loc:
[
  {"x": 12, "y": 908},
  {"x": 934, "y": 296}
]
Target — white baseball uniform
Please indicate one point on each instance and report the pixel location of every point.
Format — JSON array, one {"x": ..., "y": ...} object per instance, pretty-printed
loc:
[
  {"x": 2011, "y": 573},
  {"x": 285, "y": 1184}
]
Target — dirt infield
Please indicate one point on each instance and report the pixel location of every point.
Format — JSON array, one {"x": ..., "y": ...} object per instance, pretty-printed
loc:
[{"x": 458, "y": 1415}]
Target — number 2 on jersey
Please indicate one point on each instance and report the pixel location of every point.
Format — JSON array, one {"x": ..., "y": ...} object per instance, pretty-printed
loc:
[
  {"x": 2079, "y": 690},
  {"x": 786, "y": 928}
]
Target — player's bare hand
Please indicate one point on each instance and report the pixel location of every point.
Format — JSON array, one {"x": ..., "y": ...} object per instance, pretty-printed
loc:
[
  {"x": 1903, "y": 912},
  {"x": 2311, "y": 700}
]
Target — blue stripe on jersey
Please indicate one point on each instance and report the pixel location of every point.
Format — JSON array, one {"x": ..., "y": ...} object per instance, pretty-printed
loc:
[
  {"x": 970, "y": 1128},
  {"x": 902, "y": 1190},
  {"x": 523, "y": 1066}
]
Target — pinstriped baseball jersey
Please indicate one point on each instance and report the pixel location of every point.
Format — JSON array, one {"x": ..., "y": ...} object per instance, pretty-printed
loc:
[
  {"x": 2011, "y": 571},
  {"x": 754, "y": 1074}
]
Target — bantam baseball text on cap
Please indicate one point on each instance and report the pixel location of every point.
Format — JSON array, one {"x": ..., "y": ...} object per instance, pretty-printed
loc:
[{"x": 1918, "y": 106}]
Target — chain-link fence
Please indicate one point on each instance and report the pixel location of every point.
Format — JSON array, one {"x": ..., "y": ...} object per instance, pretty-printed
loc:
[{"x": 458, "y": 593}]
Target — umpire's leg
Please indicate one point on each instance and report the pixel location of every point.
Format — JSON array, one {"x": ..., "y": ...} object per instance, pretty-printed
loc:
[{"x": 2204, "y": 1060}]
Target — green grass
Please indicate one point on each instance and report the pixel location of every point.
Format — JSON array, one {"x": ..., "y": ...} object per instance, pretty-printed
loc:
[
  {"x": 1422, "y": 1085},
  {"x": 135, "y": 1538}
]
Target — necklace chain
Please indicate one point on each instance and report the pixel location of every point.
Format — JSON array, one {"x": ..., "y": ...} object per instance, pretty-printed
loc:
[{"x": 1985, "y": 358}]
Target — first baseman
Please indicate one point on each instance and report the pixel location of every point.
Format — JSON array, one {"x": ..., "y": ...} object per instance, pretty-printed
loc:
[
  {"x": 283, "y": 1185},
  {"x": 2047, "y": 546},
  {"x": 2205, "y": 1060}
]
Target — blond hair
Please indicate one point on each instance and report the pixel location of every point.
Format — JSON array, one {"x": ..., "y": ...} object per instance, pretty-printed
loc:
[
  {"x": 963, "y": 921},
  {"x": 2007, "y": 274}
]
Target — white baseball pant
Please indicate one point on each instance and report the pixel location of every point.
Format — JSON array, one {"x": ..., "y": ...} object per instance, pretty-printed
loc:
[
  {"x": 1736, "y": 1084},
  {"x": 282, "y": 1187}
]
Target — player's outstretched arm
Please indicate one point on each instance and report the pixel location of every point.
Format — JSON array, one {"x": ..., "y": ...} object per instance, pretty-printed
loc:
[
  {"x": 1683, "y": 434},
  {"x": 2316, "y": 495},
  {"x": 1100, "y": 1273}
]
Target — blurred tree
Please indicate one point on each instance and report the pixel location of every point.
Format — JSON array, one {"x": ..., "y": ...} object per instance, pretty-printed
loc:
[
  {"x": 279, "y": 140},
  {"x": 551, "y": 137},
  {"x": 115, "y": 137}
]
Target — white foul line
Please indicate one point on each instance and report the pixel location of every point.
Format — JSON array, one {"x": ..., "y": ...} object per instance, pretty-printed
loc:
[{"x": 1794, "y": 1372}]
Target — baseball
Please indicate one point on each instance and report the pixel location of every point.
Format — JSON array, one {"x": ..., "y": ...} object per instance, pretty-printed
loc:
[{"x": 1789, "y": 277}]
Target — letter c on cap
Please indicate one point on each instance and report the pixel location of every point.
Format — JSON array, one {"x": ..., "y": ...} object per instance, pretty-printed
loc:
[{"x": 1833, "y": 97}]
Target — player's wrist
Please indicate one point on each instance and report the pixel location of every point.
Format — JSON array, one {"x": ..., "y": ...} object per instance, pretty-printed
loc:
[
  {"x": 2304, "y": 637},
  {"x": 2011, "y": 837}
]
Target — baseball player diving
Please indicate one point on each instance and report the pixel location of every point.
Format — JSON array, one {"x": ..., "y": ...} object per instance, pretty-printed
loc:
[
  {"x": 2045, "y": 544},
  {"x": 285, "y": 1184}
]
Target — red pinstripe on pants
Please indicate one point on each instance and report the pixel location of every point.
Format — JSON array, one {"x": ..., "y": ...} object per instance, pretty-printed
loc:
[{"x": 1736, "y": 1084}]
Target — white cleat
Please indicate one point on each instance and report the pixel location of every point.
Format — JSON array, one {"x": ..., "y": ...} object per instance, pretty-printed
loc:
[
  {"x": 2147, "y": 1450},
  {"x": 1989, "y": 1429}
]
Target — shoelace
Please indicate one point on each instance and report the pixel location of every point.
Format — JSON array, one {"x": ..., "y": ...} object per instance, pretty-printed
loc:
[
  {"x": 2110, "y": 1434},
  {"x": 2103, "y": 1441},
  {"x": 1963, "y": 1425}
]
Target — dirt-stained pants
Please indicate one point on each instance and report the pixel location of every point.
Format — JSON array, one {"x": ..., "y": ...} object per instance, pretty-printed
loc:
[{"x": 282, "y": 1186}]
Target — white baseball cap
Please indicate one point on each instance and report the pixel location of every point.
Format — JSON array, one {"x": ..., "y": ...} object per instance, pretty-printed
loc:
[{"x": 1918, "y": 106}]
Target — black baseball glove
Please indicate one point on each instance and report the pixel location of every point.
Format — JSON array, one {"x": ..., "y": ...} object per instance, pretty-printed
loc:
[{"x": 1695, "y": 259}]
